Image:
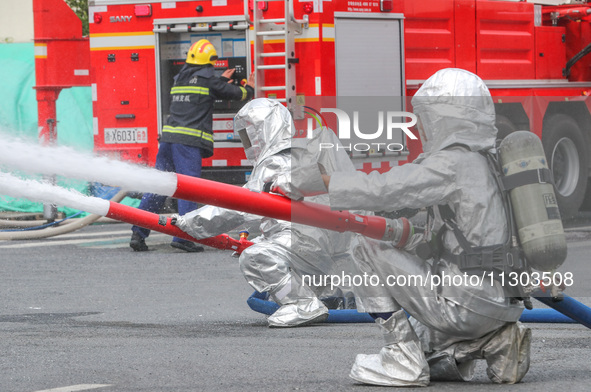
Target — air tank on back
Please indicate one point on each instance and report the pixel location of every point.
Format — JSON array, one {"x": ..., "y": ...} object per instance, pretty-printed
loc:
[{"x": 535, "y": 208}]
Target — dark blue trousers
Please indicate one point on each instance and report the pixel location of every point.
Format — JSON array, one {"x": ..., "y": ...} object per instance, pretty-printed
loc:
[{"x": 178, "y": 158}]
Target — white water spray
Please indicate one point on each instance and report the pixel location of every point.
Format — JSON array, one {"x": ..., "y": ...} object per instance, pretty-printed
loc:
[
  {"x": 46, "y": 193},
  {"x": 65, "y": 161}
]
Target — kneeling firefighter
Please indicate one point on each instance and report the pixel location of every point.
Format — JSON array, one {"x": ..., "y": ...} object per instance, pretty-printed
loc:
[
  {"x": 455, "y": 319},
  {"x": 285, "y": 252}
]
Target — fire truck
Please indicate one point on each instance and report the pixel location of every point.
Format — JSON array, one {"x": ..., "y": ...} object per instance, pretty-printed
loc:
[{"x": 320, "y": 57}]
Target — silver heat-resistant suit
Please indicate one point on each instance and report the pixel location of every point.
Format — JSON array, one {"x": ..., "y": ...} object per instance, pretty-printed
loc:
[
  {"x": 455, "y": 323},
  {"x": 285, "y": 251}
]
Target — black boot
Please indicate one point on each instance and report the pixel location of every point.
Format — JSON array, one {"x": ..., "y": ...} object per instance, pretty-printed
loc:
[{"x": 138, "y": 243}]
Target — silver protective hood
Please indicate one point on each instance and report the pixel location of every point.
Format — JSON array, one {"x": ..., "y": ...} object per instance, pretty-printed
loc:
[
  {"x": 265, "y": 127},
  {"x": 455, "y": 107}
]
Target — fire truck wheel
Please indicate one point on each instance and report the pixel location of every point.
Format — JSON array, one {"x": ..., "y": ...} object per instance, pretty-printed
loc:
[
  {"x": 504, "y": 125},
  {"x": 564, "y": 145}
]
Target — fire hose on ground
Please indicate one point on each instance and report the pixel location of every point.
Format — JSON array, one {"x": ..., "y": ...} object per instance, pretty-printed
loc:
[{"x": 260, "y": 303}]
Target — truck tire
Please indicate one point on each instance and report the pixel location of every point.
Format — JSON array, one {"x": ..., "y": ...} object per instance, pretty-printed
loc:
[
  {"x": 566, "y": 151},
  {"x": 504, "y": 126}
]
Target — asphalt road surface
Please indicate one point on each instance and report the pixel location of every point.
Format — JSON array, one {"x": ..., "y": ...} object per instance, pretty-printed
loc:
[{"x": 83, "y": 312}]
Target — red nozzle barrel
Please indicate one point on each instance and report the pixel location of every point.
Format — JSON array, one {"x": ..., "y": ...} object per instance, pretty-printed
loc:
[{"x": 278, "y": 207}]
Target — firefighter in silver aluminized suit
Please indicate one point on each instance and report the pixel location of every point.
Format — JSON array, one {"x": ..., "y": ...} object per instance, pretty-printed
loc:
[
  {"x": 455, "y": 324},
  {"x": 285, "y": 251}
]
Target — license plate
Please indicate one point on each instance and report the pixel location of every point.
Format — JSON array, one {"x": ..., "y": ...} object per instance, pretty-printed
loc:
[{"x": 126, "y": 135}]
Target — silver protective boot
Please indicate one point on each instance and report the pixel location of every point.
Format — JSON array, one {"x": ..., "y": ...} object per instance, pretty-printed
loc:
[
  {"x": 507, "y": 354},
  {"x": 401, "y": 361},
  {"x": 299, "y": 306},
  {"x": 506, "y": 351}
]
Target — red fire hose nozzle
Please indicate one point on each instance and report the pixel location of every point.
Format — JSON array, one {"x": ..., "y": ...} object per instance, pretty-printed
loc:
[{"x": 274, "y": 206}]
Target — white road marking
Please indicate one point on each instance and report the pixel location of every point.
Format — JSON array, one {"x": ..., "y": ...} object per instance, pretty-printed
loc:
[
  {"x": 74, "y": 388},
  {"x": 40, "y": 243},
  {"x": 97, "y": 234},
  {"x": 44, "y": 243},
  {"x": 578, "y": 244},
  {"x": 79, "y": 235}
]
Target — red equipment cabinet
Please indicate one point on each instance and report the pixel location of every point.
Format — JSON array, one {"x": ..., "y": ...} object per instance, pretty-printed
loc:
[{"x": 334, "y": 51}]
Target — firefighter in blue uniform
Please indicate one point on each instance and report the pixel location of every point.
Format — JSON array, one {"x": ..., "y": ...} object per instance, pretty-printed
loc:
[{"x": 187, "y": 136}]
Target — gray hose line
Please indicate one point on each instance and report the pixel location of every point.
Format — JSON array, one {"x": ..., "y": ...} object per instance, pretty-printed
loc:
[
  {"x": 62, "y": 229},
  {"x": 25, "y": 224}
]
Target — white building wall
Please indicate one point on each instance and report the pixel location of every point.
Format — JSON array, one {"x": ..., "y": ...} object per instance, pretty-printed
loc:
[{"x": 16, "y": 21}]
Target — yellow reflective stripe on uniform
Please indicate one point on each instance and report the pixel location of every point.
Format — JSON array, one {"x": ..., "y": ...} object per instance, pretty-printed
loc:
[
  {"x": 189, "y": 90},
  {"x": 244, "y": 93},
  {"x": 208, "y": 137},
  {"x": 188, "y": 131},
  {"x": 183, "y": 130}
]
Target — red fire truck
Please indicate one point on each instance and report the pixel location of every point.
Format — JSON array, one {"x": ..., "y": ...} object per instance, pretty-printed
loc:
[{"x": 320, "y": 55}]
